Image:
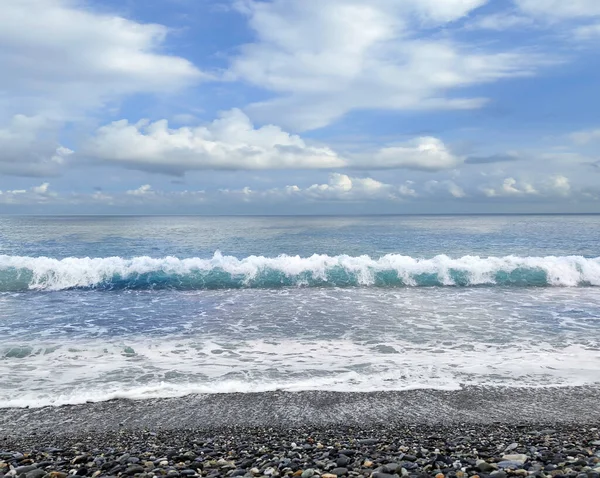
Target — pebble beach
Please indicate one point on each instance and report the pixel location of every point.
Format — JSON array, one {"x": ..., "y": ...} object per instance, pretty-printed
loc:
[
  {"x": 413, "y": 451},
  {"x": 410, "y": 438}
]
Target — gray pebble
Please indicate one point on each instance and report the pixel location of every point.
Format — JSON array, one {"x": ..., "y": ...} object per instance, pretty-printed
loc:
[
  {"x": 133, "y": 469},
  {"x": 340, "y": 471},
  {"x": 37, "y": 473},
  {"x": 24, "y": 469}
]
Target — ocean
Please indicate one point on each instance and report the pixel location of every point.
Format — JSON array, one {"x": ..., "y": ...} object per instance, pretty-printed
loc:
[{"x": 95, "y": 307}]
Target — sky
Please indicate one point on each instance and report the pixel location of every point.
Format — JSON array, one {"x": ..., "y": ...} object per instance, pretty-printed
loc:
[{"x": 299, "y": 106}]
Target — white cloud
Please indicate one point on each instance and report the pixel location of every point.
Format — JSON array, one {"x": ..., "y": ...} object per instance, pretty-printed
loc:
[
  {"x": 343, "y": 187},
  {"x": 444, "y": 188},
  {"x": 425, "y": 153},
  {"x": 58, "y": 58},
  {"x": 455, "y": 190},
  {"x": 560, "y": 184},
  {"x": 41, "y": 189},
  {"x": 28, "y": 147},
  {"x": 499, "y": 22},
  {"x": 553, "y": 186},
  {"x": 141, "y": 191},
  {"x": 340, "y": 187},
  {"x": 34, "y": 195},
  {"x": 230, "y": 142},
  {"x": 587, "y": 136},
  {"x": 328, "y": 58},
  {"x": 439, "y": 11},
  {"x": 560, "y": 8},
  {"x": 511, "y": 187},
  {"x": 407, "y": 189},
  {"x": 588, "y": 32},
  {"x": 233, "y": 142}
]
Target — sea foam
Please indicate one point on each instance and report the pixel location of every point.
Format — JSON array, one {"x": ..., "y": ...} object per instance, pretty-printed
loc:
[{"x": 222, "y": 272}]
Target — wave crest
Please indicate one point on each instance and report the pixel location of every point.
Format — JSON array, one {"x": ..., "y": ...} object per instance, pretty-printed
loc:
[{"x": 222, "y": 272}]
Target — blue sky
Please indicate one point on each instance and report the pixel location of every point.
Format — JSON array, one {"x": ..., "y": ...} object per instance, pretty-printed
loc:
[{"x": 299, "y": 106}]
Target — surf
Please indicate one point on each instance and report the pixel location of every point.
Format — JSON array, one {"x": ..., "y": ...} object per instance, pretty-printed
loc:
[{"x": 20, "y": 273}]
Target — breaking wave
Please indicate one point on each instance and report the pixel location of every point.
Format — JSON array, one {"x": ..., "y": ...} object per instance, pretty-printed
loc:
[{"x": 19, "y": 273}]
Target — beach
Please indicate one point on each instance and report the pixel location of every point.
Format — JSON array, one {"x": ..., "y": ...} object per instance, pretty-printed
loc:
[
  {"x": 378, "y": 347},
  {"x": 475, "y": 431}
]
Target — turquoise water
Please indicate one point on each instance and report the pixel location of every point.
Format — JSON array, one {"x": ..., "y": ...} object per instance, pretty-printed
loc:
[{"x": 93, "y": 308}]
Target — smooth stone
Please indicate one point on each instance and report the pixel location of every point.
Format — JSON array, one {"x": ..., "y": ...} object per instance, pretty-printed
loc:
[
  {"x": 188, "y": 472},
  {"x": 382, "y": 475},
  {"x": 133, "y": 469},
  {"x": 519, "y": 457},
  {"x": 409, "y": 458},
  {"x": 57, "y": 474},
  {"x": 511, "y": 447},
  {"x": 328, "y": 475},
  {"x": 498, "y": 474},
  {"x": 238, "y": 472},
  {"x": 368, "y": 441},
  {"x": 308, "y": 473},
  {"x": 391, "y": 468},
  {"x": 25, "y": 469},
  {"x": 339, "y": 471},
  {"x": 510, "y": 464},
  {"x": 486, "y": 467},
  {"x": 342, "y": 461},
  {"x": 596, "y": 443},
  {"x": 37, "y": 473}
]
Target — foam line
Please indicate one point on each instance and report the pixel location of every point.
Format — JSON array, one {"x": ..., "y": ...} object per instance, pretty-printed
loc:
[{"x": 222, "y": 272}]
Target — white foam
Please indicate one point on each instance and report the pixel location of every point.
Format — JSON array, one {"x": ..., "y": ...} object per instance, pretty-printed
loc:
[
  {"x": 96, "y": 372},
  {"x": 54, "y": 274}
]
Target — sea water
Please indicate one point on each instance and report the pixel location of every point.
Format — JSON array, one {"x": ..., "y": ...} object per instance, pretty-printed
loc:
[{"x": 94, "y": 308}]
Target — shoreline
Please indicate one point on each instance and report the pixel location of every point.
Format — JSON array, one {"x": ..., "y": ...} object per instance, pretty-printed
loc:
[
  {"x": 475, "y": 432},
  {"x": 469, "y": 405}
]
